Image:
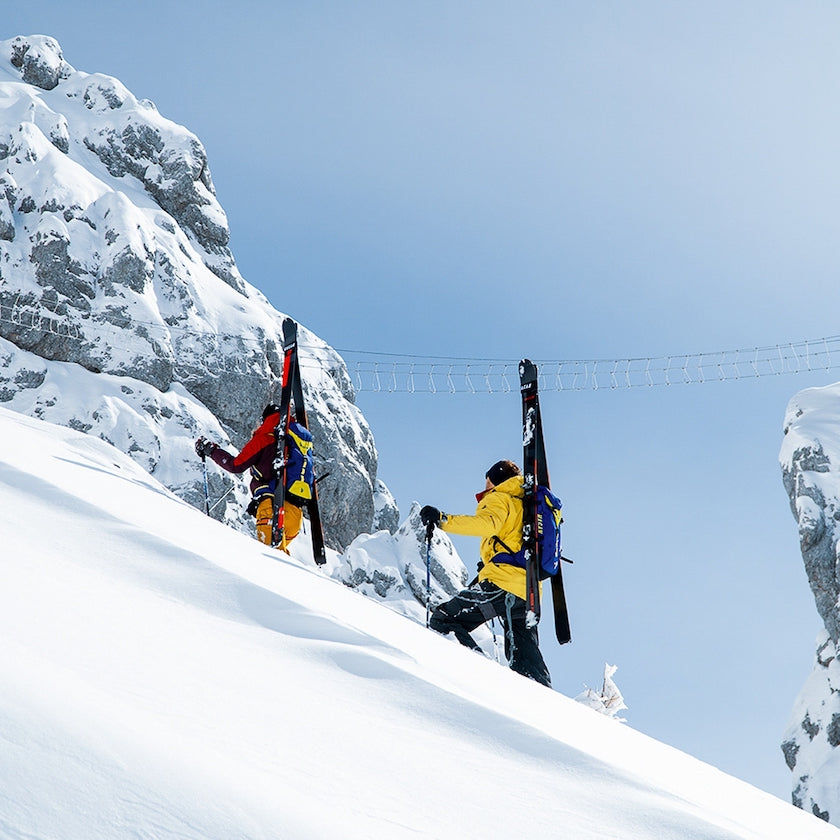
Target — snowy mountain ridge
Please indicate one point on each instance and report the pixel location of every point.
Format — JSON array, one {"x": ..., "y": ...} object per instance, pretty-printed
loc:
[
  {"x": 117, "y": 283},
  {"x": 163, "y": 675}
]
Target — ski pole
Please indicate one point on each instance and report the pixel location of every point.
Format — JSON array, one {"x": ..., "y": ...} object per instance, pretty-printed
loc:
[
  {"x": 430, "y": 529},
  {"x": 219, "y": 501},
  {"x": 206, "y": 489}
]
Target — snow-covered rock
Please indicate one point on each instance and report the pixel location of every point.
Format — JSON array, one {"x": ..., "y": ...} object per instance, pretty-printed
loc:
[
  {"x": 122, "y": 310},
  {"x": 391, "y": 565},
  {"x": 810, "y": 459}
]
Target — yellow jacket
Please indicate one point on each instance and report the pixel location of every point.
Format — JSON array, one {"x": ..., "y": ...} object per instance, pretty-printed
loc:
[{"x": 499, "y": 514}]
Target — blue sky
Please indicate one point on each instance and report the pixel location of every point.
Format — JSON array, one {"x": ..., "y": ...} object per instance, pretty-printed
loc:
[{"x": 558, "y": 181}]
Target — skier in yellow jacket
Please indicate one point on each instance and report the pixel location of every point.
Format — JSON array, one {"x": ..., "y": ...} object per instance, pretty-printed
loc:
[{"x": 499, "y": 590}]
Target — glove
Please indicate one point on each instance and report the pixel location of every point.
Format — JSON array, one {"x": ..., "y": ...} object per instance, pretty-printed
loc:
[
  {"x": 203, "y": 448},
  {"x": 430, "y": 515}
]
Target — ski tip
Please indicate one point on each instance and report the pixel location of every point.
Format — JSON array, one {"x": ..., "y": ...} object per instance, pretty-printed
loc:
[{"x": 527, "y": 371}]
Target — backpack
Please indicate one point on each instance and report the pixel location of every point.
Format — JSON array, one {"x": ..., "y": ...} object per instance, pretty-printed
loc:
[
  {"x": 549, "y": 519},
  {"x": 298, "y": 463}
]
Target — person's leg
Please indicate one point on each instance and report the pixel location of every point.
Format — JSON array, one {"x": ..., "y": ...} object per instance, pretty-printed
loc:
[
  {"x": 265, "y": 516},
  {"x": 522, "y": 647},
  {"x": 469, "y": 609},
  {"x": 292, "y": 518}
]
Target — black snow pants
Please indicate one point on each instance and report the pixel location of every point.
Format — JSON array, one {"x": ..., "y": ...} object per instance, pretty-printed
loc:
[{"x": 483, "y": 602}]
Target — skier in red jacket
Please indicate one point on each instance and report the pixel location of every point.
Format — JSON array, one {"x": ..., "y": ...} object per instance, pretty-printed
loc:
[{"x": 258, "y": 455}]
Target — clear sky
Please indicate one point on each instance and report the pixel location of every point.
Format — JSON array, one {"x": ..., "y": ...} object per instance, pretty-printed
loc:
[{"x": 558, "y": 181}]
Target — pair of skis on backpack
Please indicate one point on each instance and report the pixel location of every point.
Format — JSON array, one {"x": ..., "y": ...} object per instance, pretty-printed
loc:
[
  {"x": 291, "y": 397},
  {"x": 535, "y": 477},
  {"x": 536, "y": 483}
]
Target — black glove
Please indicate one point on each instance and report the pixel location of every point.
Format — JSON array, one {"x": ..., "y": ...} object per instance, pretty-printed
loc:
[
  {"x": 203, "y": 448},
  {"x": 430, "y": 515}
]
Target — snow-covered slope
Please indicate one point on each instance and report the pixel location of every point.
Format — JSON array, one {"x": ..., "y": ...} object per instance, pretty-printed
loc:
[
  {"x": 810, "y": 459},
  {"x": 164, "y": 676}
]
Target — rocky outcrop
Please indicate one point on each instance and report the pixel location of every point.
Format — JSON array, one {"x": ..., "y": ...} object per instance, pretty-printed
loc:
[
  {"x": 810, "y": 460},
  {"x": 122, "y": 310},
  {"x": 39, "y": 60},
  {"x": 391, "y": 566}
]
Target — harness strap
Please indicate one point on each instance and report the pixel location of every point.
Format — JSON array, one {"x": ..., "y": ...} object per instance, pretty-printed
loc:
[
  {"x": 487, "y": 602},
  {"x": 488, "y": 611}
]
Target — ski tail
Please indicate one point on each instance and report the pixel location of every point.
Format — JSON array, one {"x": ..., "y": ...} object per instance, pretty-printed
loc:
[
  {"x": 319, "y": 551},
  {"x": 562, "y": 629}
]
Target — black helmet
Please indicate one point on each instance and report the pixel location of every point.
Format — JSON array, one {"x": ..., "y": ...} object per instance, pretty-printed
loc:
[{"x": 500, "y": 471}]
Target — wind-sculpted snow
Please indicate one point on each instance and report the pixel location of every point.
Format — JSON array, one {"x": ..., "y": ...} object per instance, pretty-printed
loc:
[
  {"x": 810, "y": 459},
  {"x": 121, "y": 305},
  {"x": 182, "y": 680}
]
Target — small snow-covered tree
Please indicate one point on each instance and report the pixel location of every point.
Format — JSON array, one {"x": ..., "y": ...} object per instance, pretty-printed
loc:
[{"x": 609, "y": 700}]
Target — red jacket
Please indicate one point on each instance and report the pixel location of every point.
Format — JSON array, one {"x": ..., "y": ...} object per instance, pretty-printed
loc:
[{"x": 258, "y": 454}]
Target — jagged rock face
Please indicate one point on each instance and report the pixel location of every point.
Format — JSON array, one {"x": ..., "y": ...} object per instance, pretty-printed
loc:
[
  {"x": 810, "y": 460},
  {"x": 117, "y": 282}
]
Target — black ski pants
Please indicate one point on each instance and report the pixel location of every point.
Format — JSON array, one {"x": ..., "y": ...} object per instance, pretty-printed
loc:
[{"x": 483, "y": 602}]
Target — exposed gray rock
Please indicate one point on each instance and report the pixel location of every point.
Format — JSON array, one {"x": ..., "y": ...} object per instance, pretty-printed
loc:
[
  {"x": 386, "y": 515},
  {"x": 7, "y": 223},
  {"x": 39, "y": 60},
  {"x": 56, "y": 270},
  {"x": 173, "y": 171}
]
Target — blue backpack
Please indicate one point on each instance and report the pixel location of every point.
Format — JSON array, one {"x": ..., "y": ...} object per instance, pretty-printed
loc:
[
  {"x": 299, "y": 470},
  {"x": 299, "y": 479},
  {"x": 549, "y": 519}
]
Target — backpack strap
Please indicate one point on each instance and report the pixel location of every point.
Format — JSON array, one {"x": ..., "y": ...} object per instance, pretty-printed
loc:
[{"x": 497, "y": 542}]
